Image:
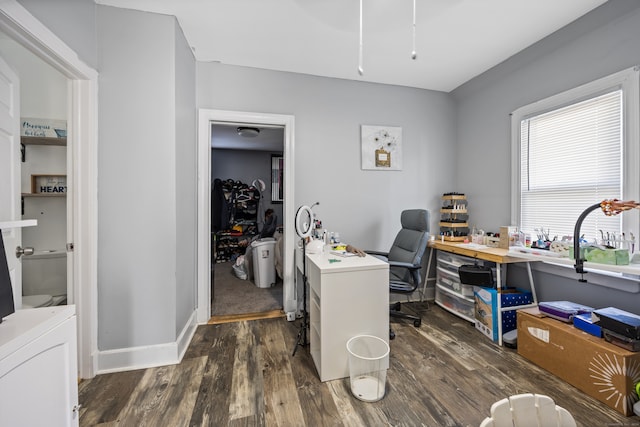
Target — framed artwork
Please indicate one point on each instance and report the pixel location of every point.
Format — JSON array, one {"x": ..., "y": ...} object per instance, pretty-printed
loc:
[{"x": 381, "y": 147}]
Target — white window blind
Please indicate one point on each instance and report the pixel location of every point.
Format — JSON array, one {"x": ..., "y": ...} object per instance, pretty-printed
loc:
[{"x": 571, "y": 158}]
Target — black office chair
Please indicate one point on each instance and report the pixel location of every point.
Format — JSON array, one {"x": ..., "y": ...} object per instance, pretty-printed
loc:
[{"x": 405, "y": 259}]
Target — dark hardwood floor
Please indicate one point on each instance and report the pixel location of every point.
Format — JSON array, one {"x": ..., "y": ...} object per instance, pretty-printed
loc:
[{"x": 444, "y": 373}]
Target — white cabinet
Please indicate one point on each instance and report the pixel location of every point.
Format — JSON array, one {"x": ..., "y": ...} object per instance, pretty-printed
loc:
[
  {"x": 38, "y": 368},
  {"x": 347, "y": 297}
]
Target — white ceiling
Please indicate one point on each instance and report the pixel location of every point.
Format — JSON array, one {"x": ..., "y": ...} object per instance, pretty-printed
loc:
[{"x": 456, "y": 40}]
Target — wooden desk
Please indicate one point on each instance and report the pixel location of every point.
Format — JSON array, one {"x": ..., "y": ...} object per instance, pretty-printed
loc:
[{"x": 499, "y": 257}]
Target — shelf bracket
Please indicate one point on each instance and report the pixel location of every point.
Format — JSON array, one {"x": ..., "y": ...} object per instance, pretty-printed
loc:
[{"x": 23, "y": 152}]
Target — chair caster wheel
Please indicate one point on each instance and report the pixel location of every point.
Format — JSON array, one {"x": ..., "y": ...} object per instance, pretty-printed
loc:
[
  {"x": 417, "y": 323},
  {"x": 392, "y": 335}
]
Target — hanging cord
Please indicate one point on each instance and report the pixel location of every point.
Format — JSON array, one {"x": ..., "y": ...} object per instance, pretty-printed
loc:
[
  {"x": 360, "y": 69},
  {"x": 414, "y": 55}
]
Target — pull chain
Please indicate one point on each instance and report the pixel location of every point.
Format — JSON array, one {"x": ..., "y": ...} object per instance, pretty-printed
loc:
[
  {"x": 414, "y": 55},
  {"x": 360, "y": 69}
]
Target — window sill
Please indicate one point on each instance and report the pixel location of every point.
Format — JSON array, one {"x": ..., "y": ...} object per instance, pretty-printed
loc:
[{"x": 625, "y": 278}]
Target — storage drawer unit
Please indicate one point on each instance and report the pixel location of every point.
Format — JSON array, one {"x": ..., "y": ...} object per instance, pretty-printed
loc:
[
  {"x": 459, "y": 305},
  {"x": 450, "y": 280},
  {"x": 450, "y": 293}
]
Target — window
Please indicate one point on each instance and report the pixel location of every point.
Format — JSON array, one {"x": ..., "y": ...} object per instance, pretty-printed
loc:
[{"x": 573, "y": 150}]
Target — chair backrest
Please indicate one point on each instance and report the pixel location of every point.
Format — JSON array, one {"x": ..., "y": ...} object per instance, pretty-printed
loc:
[
  {"x": 528, "y": 410},
  {"x": 410, "y": 243}
]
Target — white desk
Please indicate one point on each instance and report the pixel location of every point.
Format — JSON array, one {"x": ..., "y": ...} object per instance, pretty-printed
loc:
[{"x": 346, "y": 298}]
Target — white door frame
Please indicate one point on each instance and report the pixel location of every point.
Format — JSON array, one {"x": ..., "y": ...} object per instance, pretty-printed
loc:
[
  {"x": 82, "y": 138},
  {"x": 205, "y": 119}
]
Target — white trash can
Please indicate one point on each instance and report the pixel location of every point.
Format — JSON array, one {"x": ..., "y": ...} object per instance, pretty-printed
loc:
[
  {"x": 368, "y": 364},
  {"x": 264, "y": 262}
]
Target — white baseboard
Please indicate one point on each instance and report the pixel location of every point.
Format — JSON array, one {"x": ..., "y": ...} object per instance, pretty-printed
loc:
[{"x": 128, "y": 359}]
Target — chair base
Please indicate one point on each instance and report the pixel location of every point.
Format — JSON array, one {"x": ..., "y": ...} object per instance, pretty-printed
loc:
[{"x": 394, "y": 311}]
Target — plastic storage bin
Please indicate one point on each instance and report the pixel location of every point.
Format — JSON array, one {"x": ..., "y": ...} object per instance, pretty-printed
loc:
[
  {"x": 264, "y": 267},
  {"x": 368, "y": 363}
]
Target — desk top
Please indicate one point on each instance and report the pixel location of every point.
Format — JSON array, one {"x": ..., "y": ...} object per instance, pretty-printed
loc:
[
  {"x": 482, "y": 252},
  {"x": 352, "y": 263}
]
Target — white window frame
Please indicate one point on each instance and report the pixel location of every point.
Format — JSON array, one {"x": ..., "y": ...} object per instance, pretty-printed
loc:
[{"x": 628, "y": 81}]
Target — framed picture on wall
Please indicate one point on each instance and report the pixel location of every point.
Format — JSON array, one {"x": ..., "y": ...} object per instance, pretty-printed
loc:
[
  {"x": 381, "y": 147},
  {"x": 277, "y": 179}
]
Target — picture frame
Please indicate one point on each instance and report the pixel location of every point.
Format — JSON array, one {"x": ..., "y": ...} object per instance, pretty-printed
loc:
[
  {"x": 277, "y": 179},
  {"x": 381, "y": 147}
]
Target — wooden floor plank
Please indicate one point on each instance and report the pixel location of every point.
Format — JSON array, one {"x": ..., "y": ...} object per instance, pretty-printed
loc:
[
  {"x": 282, "y": 406},
  {"x": 212, "y": 405},
  {"x": 247, "y": 398},
  {"x": 103, "y": 397},
  {"x": 444, "y": 373}
]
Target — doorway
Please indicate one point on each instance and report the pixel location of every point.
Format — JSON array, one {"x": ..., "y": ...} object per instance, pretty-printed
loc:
[
  {"x": 81, "y": 113},
  {"x": 47, "y": 277},
  {"x": 207, "y": 118},
  {"x": 243, "y": 190}
]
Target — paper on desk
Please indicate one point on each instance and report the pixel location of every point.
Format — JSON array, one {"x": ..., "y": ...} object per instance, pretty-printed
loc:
[{"x": 342, "y": 253}]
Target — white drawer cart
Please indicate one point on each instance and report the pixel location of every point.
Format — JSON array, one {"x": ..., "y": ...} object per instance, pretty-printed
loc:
[
  {"x": 347, "y": 297},
  {"x": 452, "y": 295}
]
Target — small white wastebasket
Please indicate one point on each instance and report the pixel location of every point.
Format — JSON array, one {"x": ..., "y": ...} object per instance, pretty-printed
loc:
[
  {"x": 368, "y": 363},
  {"x": 264, "y": 262}
]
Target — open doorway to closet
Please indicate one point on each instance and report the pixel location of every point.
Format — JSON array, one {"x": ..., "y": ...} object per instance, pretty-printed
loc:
[
  {"x": 47, "y": 275},
  {"x": 246, "y": 219},
  {"x": 206, "y": 120}
]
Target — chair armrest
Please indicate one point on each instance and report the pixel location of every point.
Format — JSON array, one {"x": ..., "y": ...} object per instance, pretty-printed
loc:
[
  {"x": 379, "y": 253},
  {"x": 383, "y": 256},
  {"x": 406, "y": 265}
]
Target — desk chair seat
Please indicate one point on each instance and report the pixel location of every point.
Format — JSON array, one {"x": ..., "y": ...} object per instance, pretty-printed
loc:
[{"x": 405, "y": 259}]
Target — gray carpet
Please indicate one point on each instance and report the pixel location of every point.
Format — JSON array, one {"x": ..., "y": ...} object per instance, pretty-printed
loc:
[{"x": 232, "y": 295}]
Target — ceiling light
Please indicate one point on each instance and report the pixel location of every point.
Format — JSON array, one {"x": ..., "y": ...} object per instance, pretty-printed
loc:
[{"x": 248, "y": 132}]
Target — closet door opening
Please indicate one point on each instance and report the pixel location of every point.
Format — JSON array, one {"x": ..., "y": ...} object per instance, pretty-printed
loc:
[
  {"x": 218, "y": 123},
  {"x": 247, "y": 216}
]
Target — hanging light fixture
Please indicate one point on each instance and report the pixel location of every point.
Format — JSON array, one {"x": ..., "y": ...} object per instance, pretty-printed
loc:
[
  {"x": 248, "y": 132},
  {"x": 414, "y": 54},
  {"x": 360, "y": 69}
]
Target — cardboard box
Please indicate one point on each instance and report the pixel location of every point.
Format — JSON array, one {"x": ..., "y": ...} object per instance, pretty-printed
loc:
[
  {"x": 486, "y": 308},
  {"x": 602, "y": 370},
  {"x": 506, "y": 236}
]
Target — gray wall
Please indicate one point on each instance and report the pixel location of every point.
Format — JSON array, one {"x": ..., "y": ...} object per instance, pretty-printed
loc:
[
  {"x": 73, "y": 21},
  {"x": 601, "y": 43},
  {"x": 186, "y": 180},
  {"x": 364, "y": 206},
  {"x": 147, "y": 142}
]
